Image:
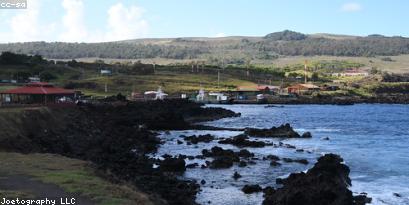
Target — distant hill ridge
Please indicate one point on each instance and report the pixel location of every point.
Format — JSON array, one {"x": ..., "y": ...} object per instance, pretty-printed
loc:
[{"x": 235, "y": 48}]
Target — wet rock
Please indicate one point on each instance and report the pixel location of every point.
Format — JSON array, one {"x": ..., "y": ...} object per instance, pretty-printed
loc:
[
  {"x": 201, "y": 138},
  {"x": 242, "y": 164},
  {"x": 224, "y": 158},
  {"x": 397, "y": 195},
  {"x": 242, "y": 141},
  {"x": 301, "y": 161},
  {"x": 269, "y": 190},
  {"x": 221, "y": 163},
  {"x": 306, "y": 135},
  {"x": 283, "y": 131},
  {"x": 200, "y": 157},
  {"x": 271, "y": 157},
  {"x": 218, "y": 152},
  {"x": 245, "y": 153},
  {"x": 249, "y": 189},
  {"x": 179, "y": 142},
  {"x": 299, "y": 150},
  {"x": 289, "y": 146},
  {"x": 362, "y": 200},
  {"x": 192, "y": 165},
  {"x": 274, "y": 163},
  {"x": 236, "y": 176},
  {"x": 326, "y": 183},
  {"x": 190, "y": 157},
  {"x": 172, "y": 165},
  {"x": 203, "y": 182}
]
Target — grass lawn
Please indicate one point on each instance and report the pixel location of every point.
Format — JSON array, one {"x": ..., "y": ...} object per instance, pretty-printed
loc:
[
  {"x": 171, "y": 83},
  {"x": 72, "y": 175}
]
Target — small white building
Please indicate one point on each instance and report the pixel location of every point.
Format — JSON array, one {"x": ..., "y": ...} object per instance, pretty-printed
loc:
[
  {"x": 201, "y": 95},
  {"x": 106, "y": 72},
  {"x": 155, "y": 95},
  {"x": 219, "y": 96}
]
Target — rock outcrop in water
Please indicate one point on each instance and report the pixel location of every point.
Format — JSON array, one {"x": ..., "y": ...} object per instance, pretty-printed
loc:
[
  {"x": 326, "y": 183},
  {"x": 249, "y": 189},
  {"x": 224, "y": 158},
  {"x": 200, "y": 138},
  {"x": 242, "y": 141},
  {"x": 283, "y": 131}
]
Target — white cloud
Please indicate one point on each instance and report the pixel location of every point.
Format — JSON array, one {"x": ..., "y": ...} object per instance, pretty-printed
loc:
[
  {"x": 351, "y": 7},
  {"x": 25, "y": 25},
  {"x": 121, "y": 23},
  {"x": 125, "y": 23},
  {"x": 73, "y": 21},
  {"x": 219, "y": 35}
]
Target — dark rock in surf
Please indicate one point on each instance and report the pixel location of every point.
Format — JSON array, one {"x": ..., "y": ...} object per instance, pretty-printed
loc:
[
  {"x": 192, "y": 165},
  {"x": 274, "y": 163},
  {"x": 201, "y": 138},
  {"x": 306, "y": 135},
  {"x": 249, "y": 189},
  {"x": 236, "y": 176},
  {"x": 221, "y": 163},
  {"x": 326, "y": 183},
  {"x": 242, "y": 141},
  {"x": 301, "y": 161},
  {"x": 245, "y": 153},
  {"x": 283, "y": 131}
]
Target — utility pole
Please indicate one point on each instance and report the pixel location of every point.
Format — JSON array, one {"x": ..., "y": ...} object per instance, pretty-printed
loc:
[
  {"x": 305, "y": 71},
  {"x": 218, "y": 78}
]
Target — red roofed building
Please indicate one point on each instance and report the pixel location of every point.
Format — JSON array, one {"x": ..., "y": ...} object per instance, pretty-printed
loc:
[{"x": 35, "y": 93}]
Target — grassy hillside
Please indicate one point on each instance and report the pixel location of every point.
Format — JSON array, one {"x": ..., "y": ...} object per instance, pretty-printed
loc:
[{"x": 237, "y": 50}]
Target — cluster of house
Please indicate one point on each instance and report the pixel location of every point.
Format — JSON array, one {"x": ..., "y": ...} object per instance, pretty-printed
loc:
[
  {"x": 45, "y": 93},
  {"x": 241, "y": 94}
]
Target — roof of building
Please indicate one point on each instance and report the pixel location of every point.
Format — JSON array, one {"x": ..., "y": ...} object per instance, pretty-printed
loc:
[
  {"x": 271, "y": 87},
  {"x": 41, "y": 88}
]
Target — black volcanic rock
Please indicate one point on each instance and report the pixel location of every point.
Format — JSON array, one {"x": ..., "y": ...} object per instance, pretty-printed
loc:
[
  {"x": 245, "y": 153},
  {"x": 201, "y": 138},
  {"x": 301, "y": 161},
  {"x": 221, "y": 163},
  {"x": 306, "y": 135},
  {"x": 224, "y": 158},
  {"x": 242, "y": 141},
  {"x": 283, "y": 131},
  {"x": 236, "y": 176},
  {"x": 173, "y": 165},
  {"x": 249, "y": 189},
  {"x": 326, "y": 183}
]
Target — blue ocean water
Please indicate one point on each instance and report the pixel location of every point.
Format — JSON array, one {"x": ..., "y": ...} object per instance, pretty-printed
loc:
[{"x": 373, "y": 139}]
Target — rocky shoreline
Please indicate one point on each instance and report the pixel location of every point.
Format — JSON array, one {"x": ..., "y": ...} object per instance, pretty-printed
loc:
[{"x": 118, "y": 137}]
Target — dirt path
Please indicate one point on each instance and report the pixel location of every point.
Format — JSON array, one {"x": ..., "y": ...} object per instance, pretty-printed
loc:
[{"x": 26, "y": 184}]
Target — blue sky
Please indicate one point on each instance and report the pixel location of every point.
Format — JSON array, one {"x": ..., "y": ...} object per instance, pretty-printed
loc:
[{"x": 109, "y": 20}]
